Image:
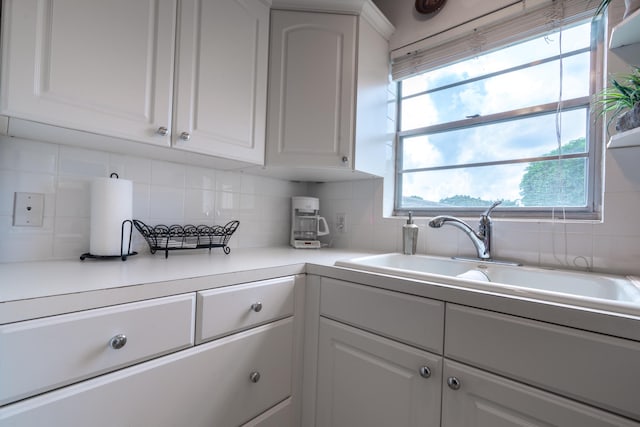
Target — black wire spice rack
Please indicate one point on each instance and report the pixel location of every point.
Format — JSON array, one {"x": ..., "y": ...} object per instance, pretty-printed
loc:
[{"x": 179, "y": 237}]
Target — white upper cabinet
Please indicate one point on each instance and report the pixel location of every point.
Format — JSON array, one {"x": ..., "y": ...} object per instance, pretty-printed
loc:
[
  {"x": 313, "y": 66},
  {"x": 328, "y": 94},
  {"x": 93, "y": 65},
  {"x": 107, "y": 67},
  {"x": 221, "y": 78}
]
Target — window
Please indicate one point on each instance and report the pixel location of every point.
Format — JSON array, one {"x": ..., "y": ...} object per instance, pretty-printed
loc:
[{"x": 512, "y": 124}]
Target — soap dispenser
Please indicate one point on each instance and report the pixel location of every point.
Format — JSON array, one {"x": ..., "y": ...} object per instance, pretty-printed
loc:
[{"x": 409, "y": 237}]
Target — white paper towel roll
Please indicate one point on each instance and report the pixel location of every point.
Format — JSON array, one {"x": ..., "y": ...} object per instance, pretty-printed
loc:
[
  {"x": 111, "y": 204},
  {"x": 474, "y": 275}
]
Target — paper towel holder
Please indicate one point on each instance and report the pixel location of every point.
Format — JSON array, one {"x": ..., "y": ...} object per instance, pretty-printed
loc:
[{"x": 122, "y": 255}]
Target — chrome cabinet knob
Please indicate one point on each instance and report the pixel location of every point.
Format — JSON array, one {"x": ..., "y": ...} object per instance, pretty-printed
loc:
[
  {"x": 162, "y": 131},
  {"x": 345, "y": 159},
  {"x": 254, "y": 377},
  {"x": 453, "y": 383},
  {"x": 185, "y": 136},
  {"x": 425, "y": 371},
  {"x": 118, "y": 341},
  {"x": 256, "y": 306}
]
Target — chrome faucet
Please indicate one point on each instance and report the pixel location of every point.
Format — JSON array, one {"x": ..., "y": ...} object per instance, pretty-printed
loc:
[{"x": 481, "y": 239}]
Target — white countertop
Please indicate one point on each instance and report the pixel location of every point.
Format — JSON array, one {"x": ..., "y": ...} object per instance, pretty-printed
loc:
[
  {"x": 36, "y": 289},
  {"x": 30, "y": 290}
]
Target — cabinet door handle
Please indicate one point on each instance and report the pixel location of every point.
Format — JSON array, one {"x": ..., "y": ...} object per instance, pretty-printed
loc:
[
  {"x": 185, "y": 136},
  {"x": 162, "y": 131},
  {"x": 118, "y": 341},
  {"x": 453, "y": 383},
  {"x": 256, "y": 306},
  {"x": 254, "y": 377},
  {"x": 425, "y": 371},
  {"x": 345, "y": 159}
]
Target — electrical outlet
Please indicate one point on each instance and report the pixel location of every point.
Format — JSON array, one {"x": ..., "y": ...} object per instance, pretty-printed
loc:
[
  {"x": 28, "y": 209},
  {"x": 341, "y": 222}
]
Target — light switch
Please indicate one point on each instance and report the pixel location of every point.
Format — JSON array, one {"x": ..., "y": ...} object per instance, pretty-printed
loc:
[{"x": 28, "y": 209}]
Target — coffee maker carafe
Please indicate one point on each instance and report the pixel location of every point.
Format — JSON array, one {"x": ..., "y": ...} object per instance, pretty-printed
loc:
[{"x": 306, "y": 224}]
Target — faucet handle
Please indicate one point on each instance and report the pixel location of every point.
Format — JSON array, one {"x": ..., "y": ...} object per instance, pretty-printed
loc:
[{"x": 491, "y": 208}]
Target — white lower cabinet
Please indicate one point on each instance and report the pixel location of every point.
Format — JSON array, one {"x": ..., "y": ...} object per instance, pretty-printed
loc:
[
  {"x": 365, "y": 380},
  {"x": 476, "y": 398},
  {"x": 136, "y": 364},
  {"x": 222, "y": 383},
  {"x": 496, "y": 370}
]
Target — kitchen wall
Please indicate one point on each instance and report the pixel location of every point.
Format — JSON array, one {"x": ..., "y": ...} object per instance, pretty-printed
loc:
[
  {"x": 610, "y": 245},
  {"x": 167, "y": 192},
  {"x": 163, "y": 193}
]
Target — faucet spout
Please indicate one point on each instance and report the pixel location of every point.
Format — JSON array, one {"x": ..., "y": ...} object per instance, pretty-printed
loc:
[{"x": 481, "y": 239}]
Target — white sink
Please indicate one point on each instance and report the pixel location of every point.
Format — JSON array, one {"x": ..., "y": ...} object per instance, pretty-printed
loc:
[{"x": 592, "y": 290}]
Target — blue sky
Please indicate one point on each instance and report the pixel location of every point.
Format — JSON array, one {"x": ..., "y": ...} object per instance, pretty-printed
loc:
[{"x": 529, "y": 138}]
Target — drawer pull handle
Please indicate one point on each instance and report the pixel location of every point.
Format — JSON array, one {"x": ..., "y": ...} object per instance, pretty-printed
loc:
[
  {"x": 118, "y": 341},
  {"x": 254, "y": 377},
  {"x": 256, "y": 306},
  {"x": 425, "y": 371},
  {"x": 453, "y": 383}
]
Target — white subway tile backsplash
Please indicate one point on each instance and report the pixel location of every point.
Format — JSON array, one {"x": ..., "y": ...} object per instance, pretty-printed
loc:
[
  {"x": 172, "y": 193},
  {"x": 200, "y": 206},
  {"x": 620, "y": 215},
  {"x": 168, "y": 174},
  {"x": 201, "y": 178},
  {"x": 28, "y": 156},
  {"x": 568, "y": 250},
  {"x": 229, "y": 182},
  {"x": 166, "y": 205},
  {"x": 73, "y": 197},
  {"x": 141, "y": 201},
  {"x": 25, "y": 243},
  {"x": 137, "y": 170},
  {"x": 616, "y": 254},
  {"x": 83, "y": 163},
  {"x": 71, "y": 237}
]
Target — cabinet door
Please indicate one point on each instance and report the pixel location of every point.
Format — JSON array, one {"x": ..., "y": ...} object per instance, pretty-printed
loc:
[
  {"x": 221, "y": 81},
  {"x": 486, "y": 400},
  {"x": 311, "y": 89},
  {"x": 209, "y": 385},
  {"x": 368, "y": 381},
  {"x": 100, "y": 66}
]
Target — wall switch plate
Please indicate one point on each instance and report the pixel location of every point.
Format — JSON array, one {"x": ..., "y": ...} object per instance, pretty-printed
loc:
[
  {"x": 341, "y": 222},
  {"x": 28, "y": 209}
]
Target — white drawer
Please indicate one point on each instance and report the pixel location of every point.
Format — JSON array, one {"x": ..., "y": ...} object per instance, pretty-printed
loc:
[
  {"x": 39, "y": 355},
  {"x": 280, "y": 415},
  {"x": 205, "y": 386},
  {"x": 597, "y": 369},
  {"x": 413, "y": 320},
  {"x": 230, "y": 309}
]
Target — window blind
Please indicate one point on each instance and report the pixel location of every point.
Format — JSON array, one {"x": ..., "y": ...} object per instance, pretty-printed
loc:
[{"x": 513, "y": 23}]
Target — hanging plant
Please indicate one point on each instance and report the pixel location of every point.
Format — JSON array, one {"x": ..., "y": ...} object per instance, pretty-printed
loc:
[{"x": 622, "y": 100}]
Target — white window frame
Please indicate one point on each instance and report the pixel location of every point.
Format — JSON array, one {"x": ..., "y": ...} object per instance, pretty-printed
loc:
[{"x": 595, "y": 137}]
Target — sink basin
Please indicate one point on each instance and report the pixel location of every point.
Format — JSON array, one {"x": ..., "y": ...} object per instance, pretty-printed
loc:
[{"x": 586, "y": 289}]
